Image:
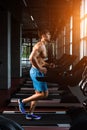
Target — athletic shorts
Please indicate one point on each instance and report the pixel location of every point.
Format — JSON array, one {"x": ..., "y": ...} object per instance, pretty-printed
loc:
[{"x": 38, "y": 85}]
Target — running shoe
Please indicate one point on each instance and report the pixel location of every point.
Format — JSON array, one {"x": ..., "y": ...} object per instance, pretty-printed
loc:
[
  {"x": 32, "y": 116},
  {"x": 21, "y": 106}
]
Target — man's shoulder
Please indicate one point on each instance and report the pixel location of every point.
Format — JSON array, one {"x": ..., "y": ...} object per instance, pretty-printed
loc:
[{"x": 37, "y": 45}]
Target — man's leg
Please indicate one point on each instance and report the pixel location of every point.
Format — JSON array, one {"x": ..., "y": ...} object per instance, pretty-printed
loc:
[
  {"x": 35, "y": 97},
  {"x": 33, "y": 105},
  {"x": 21, "y": 106},
  {"x": 31, "y": 114}
]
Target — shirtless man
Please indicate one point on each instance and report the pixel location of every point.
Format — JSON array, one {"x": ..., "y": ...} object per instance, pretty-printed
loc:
[{"x": 37, "y": 59}]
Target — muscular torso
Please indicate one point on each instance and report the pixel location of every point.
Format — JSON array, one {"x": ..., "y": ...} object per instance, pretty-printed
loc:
[{"x": 40, "y": 53}]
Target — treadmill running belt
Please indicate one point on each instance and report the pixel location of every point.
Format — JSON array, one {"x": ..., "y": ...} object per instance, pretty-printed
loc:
[{"x": 48, "y": 119}]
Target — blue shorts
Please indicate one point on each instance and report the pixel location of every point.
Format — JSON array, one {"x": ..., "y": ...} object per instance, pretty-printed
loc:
[{"x": 38, "y": 85}]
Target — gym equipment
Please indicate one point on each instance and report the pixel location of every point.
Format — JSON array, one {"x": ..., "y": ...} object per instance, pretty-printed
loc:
[
  {"x": 71, "y": 77},
  {"x": 78, "y": 118},
  {"x": 9, "y": 124},
  {"x": 83, "y": 82},
  {"x": 62, "y": 65},
  {"x": 81, "y": 88},
  {"x": 48, "y": 119},
  {"x": 66, "y": 58},
  {"x": 54, "y": 103}
]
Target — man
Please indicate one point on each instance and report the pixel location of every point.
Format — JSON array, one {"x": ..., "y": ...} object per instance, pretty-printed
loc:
[{"x": 37, "y": 59}]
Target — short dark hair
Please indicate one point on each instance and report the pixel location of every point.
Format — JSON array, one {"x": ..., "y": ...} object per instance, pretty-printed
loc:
[{"x": 42, "y": 32}]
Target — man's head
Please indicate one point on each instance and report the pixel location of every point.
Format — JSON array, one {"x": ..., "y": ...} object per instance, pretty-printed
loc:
[{"x": 45, "y": 34}]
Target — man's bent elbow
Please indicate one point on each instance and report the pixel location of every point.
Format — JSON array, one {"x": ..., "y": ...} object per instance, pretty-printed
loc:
[{"x": 32, "y": 60}]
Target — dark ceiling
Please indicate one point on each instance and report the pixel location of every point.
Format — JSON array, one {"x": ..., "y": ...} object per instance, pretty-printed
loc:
[
  {"x": 47, "y": 14},
  {"x": 51, "y": 14}
]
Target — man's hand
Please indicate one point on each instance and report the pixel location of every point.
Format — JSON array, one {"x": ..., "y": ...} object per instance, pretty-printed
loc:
[
  {"x": 51, "y": 65},
  {"x": 43, "y": 70}
]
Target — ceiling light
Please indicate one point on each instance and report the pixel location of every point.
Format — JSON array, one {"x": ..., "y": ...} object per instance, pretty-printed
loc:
[
  {"x": 32, "y": 18},
  {"x": 24, "y": 1}
]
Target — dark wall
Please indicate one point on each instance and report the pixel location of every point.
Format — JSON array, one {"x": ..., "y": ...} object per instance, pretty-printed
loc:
[{"x": 15, "y": 48}]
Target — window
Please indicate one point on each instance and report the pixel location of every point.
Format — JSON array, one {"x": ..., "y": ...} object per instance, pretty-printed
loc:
[
  {"x": 71, "y": 27},
  {"x": 26, "y": 50},
  {"x": 83, "y": 29},
  {"x": 64, "y": 37}
]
